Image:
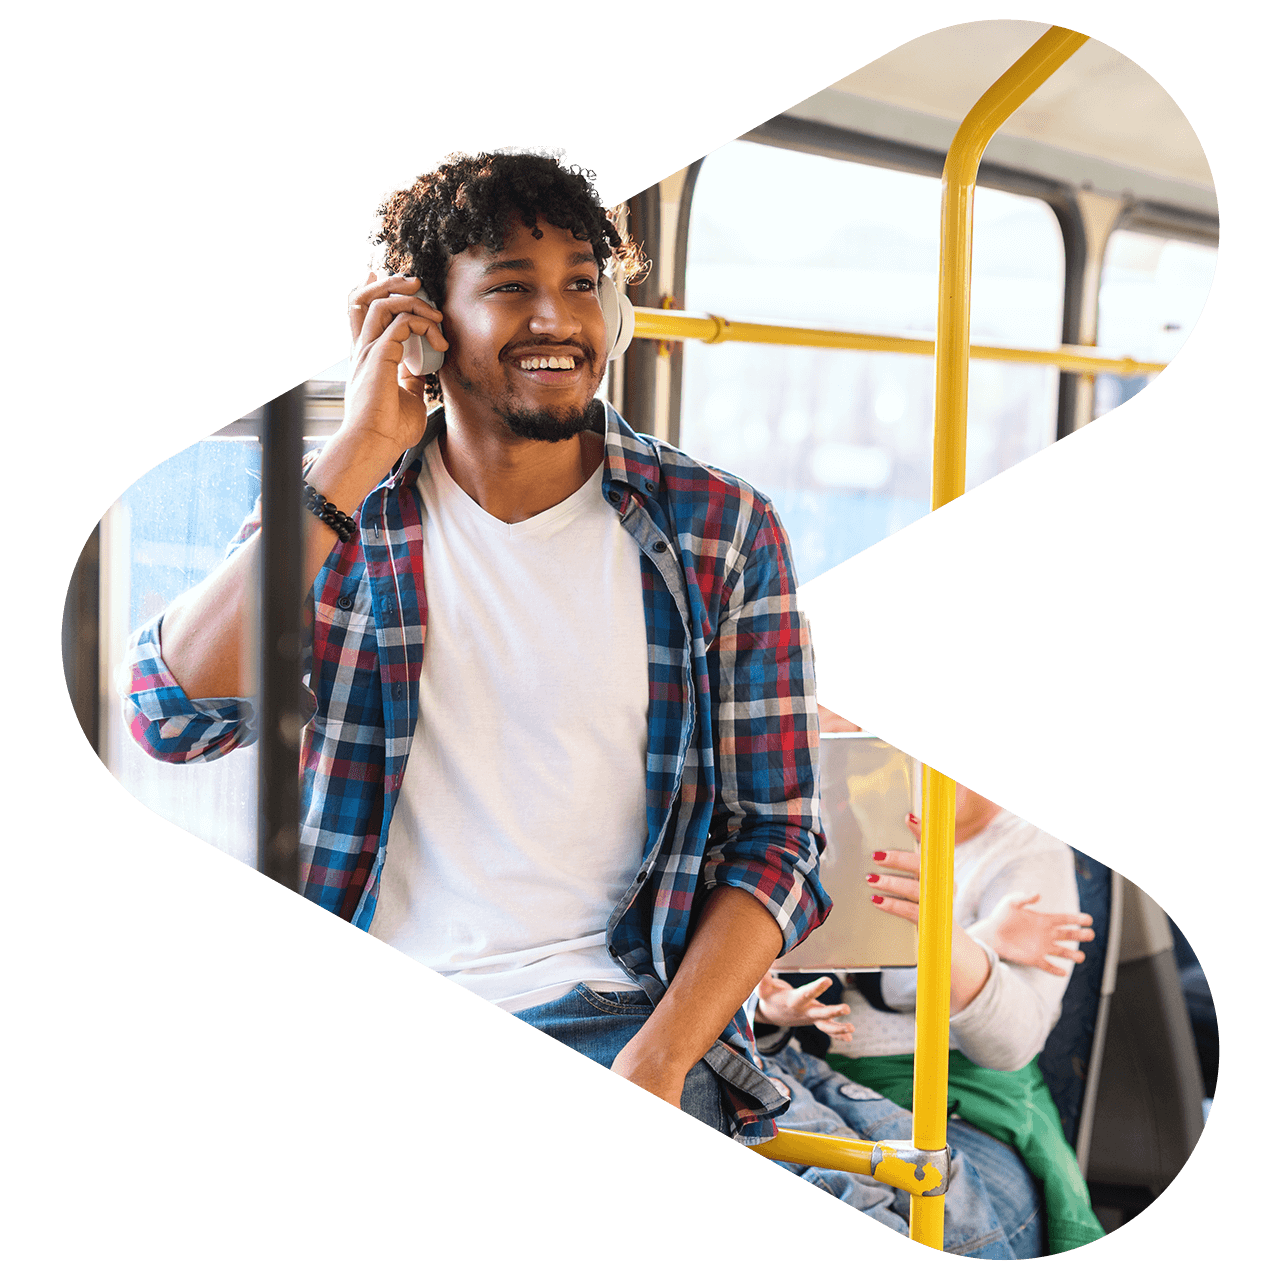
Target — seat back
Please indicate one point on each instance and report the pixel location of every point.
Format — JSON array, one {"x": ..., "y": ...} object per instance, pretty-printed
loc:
[
  {"x": 1149, "y": 1111},
  {"x": 1072, "y": 1055}
]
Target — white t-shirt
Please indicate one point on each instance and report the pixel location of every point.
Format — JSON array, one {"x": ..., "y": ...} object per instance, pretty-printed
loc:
[{"x": 522, "y": 817}]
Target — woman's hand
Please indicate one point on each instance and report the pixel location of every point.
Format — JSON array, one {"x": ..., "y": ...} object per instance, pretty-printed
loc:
[
  {"x": 899, "y": 895},
  {"x": 786, "y": 1006},
  {"x": 1022, "y": 936}
]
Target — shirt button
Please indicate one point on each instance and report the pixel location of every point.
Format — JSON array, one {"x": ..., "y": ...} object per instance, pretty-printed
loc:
[
  {"x": 613, "y": 951},
  {"x": 613, "y": 496},
  {"x": 648, "y": 484},
  {"x": 659, "y": 548},
  {"x": 641, "y": 876},
  {"x": 344, "y": 602}
]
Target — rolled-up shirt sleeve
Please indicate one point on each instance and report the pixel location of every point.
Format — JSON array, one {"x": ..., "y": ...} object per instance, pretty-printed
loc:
[
  {"x": 160, "y": 717},
  {"x": 765, "y": 834}
]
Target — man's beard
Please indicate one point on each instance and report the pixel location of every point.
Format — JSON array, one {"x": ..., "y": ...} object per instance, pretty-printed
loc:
[
  {"x": 547, "y": 425},
  {"x": 550, "y": 427}
]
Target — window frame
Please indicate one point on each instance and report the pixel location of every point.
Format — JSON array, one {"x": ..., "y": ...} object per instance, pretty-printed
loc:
[{"x": 795, "y": 134}]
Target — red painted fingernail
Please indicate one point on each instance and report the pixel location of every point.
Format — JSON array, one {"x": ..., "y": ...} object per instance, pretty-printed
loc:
[
  {"x": 873, "y": 879},
  {"x": 876, "y": 898},
  {"x": 878, "y": 856}
]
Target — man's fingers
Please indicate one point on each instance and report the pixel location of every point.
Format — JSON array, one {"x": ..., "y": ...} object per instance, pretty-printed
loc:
[{"x": 370, "y": 307}]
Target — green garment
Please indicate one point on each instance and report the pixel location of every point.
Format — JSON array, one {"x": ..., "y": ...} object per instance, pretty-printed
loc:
[{"x": 1014, "y": 1107}]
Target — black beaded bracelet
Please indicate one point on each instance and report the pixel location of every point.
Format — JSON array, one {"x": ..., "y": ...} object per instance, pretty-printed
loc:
[{"x": 343, "y": 525}]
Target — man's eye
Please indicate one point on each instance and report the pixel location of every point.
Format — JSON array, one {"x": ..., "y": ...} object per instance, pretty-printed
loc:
[{"x": 584, "y": 285}]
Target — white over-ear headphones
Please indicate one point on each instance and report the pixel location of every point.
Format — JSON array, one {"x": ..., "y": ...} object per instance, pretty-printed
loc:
[
  {"x": 619, "y": 317},
  {"x": 421, "y": 358}
]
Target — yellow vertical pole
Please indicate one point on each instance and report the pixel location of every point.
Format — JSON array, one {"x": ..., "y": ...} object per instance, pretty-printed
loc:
[
  {"x": 933, "y": 990},
  {"x": 937, "y": 853}
]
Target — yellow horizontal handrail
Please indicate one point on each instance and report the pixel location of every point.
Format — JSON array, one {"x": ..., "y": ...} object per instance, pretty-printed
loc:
[
  {"x": 822, "y": 1151},
  {"x": 896, "y": 1164},
  {"x": 681, "y": 326}
]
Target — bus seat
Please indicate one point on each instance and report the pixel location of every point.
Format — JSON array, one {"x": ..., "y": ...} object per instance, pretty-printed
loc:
[
  {"x": 1148, "y": 1113},
  {"x": 1072, "y": 1055}
]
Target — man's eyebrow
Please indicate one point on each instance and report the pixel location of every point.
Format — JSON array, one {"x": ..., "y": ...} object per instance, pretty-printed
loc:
[{"x": 527, "y": 264}]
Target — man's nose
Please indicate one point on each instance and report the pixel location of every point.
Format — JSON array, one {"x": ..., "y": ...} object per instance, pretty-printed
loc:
[{"x": 553, "y": 316}]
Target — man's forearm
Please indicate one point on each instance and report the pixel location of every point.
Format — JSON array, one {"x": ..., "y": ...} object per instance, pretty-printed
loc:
[
  {"x": 203, "y": 635},
  {"x": 734, "y": 942}
]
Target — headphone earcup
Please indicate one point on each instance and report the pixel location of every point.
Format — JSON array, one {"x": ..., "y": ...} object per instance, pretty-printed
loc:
[
  {"x": 619, "y": 317},
  {"x": 420, "y": 357}
]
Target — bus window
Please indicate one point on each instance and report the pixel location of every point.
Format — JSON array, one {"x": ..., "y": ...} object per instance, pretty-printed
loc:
[
  {"x": 1152, "y": 291},
  {"x": 165, "y": 534},
  {"x": 842, "y": 440}
]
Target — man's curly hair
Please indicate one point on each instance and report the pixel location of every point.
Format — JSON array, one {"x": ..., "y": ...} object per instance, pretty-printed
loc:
[{"x": 473, "y": 200}]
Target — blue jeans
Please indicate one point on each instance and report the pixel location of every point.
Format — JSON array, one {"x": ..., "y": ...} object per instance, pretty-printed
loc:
[
  {"x": 599, "y": 1023},
  {"x": 992, "y": 1205}
]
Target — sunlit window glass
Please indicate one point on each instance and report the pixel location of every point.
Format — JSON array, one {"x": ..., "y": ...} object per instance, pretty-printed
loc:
[
  {"x": 842, "y": 440},
  {"x": 1152, "y": 291},
  {"x": 165, "y": 534}
]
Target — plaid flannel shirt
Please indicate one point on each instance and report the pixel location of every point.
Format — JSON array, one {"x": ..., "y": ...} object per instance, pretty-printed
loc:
[{"x": 732, "y": 759}]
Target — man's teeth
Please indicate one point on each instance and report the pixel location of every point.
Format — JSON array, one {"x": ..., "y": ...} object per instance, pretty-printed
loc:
[{"x": 547, "y": 362}]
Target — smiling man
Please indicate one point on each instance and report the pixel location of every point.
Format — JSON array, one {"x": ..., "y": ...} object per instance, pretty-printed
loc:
[
  {"x": 564, "y": 748},
  {"x": 534, "y": 372}
]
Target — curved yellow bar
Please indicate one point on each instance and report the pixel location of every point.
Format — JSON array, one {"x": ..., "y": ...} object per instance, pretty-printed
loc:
[
  {"x": 681, "y": 326},
  {"x": 937, "y": 864},
  {"x": 959, "y": 178}
]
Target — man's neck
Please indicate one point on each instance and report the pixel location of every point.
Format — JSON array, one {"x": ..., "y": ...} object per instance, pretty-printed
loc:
[{"x": 512, "y": 478}]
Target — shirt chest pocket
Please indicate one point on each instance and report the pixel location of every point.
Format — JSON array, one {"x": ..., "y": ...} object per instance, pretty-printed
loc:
[{"x": 344, "y": 657}]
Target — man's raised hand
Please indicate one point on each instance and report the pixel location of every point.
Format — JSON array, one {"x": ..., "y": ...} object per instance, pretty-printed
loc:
[{"x": 384, "y": 401}]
